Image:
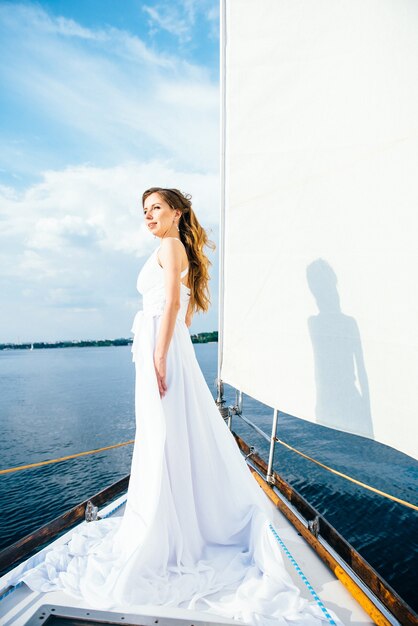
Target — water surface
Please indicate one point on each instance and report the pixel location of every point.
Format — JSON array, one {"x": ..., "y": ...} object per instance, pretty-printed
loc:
[{"x": 61, "y": 401}]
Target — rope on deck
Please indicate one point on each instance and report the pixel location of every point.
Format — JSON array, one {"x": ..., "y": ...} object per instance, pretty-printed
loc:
[{"x": 302, "y": 575}]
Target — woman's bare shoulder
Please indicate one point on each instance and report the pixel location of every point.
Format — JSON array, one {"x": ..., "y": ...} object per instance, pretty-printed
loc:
[
  {"x": 171, "y": 250},
  {"x": 170, "y": 241}
]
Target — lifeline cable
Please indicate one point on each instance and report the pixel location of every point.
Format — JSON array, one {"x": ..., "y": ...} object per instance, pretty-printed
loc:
[{"x": 283, "y": 443}]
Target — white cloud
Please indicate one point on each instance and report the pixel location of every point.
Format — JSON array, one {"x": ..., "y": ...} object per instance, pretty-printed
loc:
[
  {"x": 212, "y": 16},
  {"x": 178, "y": 19},
  {"x": 169, "y": 20},
  {"x": 117, "y": 96},
  {"x": 86, "y": 206},
  {"x": 32, "y": 266},
  {"x": 184, "y": 19},
  {"x": 74, "y": 240},
  {"x": 63, "y": 26},
  {"x": 71, "y": 241}
]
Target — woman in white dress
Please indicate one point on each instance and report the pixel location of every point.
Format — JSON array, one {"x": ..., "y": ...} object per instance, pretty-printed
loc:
[
  {"x": 163, "y": 209},
  {"x": 196, "y": 531}
]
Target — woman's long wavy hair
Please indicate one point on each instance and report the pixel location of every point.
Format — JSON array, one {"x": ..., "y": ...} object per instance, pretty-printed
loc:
[{"x": 194, "y": 238}]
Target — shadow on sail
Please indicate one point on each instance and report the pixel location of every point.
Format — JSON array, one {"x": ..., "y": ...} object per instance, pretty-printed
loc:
[{"x": 342, "y": 388}]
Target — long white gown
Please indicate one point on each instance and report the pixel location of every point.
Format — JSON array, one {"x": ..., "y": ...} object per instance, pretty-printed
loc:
[{"x": 195, "y": 531}]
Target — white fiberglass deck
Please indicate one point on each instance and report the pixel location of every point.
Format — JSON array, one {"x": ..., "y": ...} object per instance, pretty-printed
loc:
[{"x": 19, "y": 605}]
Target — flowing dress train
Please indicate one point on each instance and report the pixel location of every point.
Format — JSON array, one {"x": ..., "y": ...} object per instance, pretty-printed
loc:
[{"x": 195, "y": 530}]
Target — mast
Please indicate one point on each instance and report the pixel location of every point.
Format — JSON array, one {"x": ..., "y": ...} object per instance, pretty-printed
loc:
[{"x": 222, "y": 74}]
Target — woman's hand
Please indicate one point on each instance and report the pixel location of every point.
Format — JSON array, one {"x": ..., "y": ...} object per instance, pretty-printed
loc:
[{"x": 160, "y": 366}]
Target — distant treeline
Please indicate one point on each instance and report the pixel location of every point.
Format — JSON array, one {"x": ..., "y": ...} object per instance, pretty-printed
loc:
[
  {"x": 39, "y": 345},
  {"x": 205, "y": 337}
]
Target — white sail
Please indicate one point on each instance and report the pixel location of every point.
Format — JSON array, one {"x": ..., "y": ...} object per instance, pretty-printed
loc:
[{"x": 320, "y": 257}]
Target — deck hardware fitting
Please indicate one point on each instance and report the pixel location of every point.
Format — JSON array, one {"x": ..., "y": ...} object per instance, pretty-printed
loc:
[
  {"x": 220, "y": 401},
  {"x": 313, "y": 526},
  {"x": 252, "y": 451},
  {"x": 91, "y": 512}
]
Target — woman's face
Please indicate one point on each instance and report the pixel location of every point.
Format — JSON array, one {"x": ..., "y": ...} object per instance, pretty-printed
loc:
[{"x": 159, "y": 216}]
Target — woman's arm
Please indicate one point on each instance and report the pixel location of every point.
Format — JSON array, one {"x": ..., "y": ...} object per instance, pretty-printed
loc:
[{"x": 170, "y": 256}]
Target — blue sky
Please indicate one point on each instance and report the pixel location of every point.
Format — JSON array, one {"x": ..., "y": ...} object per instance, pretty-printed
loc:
[{"x": 100, "y": 100}]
